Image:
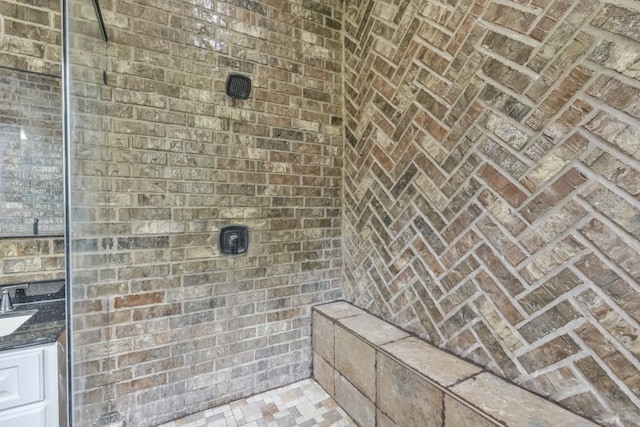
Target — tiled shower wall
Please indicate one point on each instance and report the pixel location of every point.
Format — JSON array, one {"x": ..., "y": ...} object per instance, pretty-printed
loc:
[
  {"x": 492, "y": 174},
  {"x": 164, "y": 324}
]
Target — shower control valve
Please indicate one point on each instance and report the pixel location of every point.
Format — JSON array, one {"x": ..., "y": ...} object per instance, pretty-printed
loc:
[{"x": 233, "y": 239}]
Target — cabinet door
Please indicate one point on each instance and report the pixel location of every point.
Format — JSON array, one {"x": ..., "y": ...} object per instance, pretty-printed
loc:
[
  {"x": 29, "y": 416},
  {"x": 21, "y": 378}
]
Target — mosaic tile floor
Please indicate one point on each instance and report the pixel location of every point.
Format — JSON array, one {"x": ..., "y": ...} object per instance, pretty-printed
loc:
[{"x": 303, "y": 404}]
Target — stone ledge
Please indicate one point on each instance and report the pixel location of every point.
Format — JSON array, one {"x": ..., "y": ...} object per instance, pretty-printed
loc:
[{"x": 382, "y": 376}]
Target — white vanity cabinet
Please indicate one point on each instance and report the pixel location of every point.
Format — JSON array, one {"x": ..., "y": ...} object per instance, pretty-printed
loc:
[{"x": 29, "y": 387}]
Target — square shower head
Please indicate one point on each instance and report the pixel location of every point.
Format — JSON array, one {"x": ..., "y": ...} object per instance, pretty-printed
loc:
[{"x": 238, "y": 86}]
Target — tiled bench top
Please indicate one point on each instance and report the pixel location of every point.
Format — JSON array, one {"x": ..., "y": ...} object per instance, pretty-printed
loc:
[{"x": 486, "y": 398}]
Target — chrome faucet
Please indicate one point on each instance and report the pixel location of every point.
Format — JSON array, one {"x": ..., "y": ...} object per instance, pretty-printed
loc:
[{"x": 6, "y": 305}]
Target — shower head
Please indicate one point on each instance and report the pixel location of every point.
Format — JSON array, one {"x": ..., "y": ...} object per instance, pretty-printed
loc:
[{"x": 238, "y": 86}]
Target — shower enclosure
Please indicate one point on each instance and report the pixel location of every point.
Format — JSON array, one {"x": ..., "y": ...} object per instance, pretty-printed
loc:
[
  {"x": 160, "y": 158},
  {"x": 489, "y": 188}
]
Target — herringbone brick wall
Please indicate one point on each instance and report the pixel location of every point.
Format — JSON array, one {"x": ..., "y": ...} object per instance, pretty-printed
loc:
[{"x": 491, "y": 182}]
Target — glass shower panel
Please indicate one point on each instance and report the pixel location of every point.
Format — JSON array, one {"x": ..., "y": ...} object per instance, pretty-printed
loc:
[{"x": 88, "y": 211}]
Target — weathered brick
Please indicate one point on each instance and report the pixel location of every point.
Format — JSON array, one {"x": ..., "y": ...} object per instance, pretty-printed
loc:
[
  {"x": 553, "y": 381},
  {"x": 550, "y": 320},
  {"x": 444, "y": 188},
  {"x": 506, "y": 75},
  {"x": 514, "y": 50},
  {"x": 619, "y": 20},
  {"x": 611, "y": 356},
  {"x": 615, "y": 207},
  {"x": 498, "y": 269},
  {"x": 556, "y": 192},
  {"x": 509, "y": 17},
  {"x": 550, "y": 258},
  {"x": 588, "y": 405},
  {"x": 609, "y": 390},
  {"x": 610, "y": 243},
  {"x": 620, "y": 57},
  {"x": 612, "y": 284},
  {"x": 549, "y": 291},
  {"x": 502, "y": 212},
  {"x": 502, "y": 185},
  {"x": 615, "y": 93},
  {"x": 616, "y": 132},
  {"x": 550, "y": 352},
  {"x": 553, "y": 226},
  {"x": 492, "y": 233},
  {"x": 506, "y": 366},
  {"x": 557, "y": 99},
  {"x": 610, "y": 320}
]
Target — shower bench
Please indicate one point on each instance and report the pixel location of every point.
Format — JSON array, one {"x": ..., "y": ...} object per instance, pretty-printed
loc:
[{"x": 383, "y": 376}]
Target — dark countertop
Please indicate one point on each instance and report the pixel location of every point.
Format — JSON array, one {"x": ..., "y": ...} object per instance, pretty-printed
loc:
[{"x": 44, "y": 327}]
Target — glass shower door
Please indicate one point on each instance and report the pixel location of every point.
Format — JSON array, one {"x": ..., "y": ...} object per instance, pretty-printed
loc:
[{"x": 88, "y": 207}]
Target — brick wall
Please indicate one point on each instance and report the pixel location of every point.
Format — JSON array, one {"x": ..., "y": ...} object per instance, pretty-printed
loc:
[
  {"x": 491, "y": 191},
  {"x": 31, "y": 259},
  {"x": 30, "y": 153},
  {"x": 491, "y": 187},
  {"x": 164, "y": 324},
  {"x": 31, "y": 173},
  {"x": 30, "y": 36}
]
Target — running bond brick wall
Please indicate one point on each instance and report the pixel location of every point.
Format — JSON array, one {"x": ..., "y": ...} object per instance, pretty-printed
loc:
[
  {"x": 30, "y": 35},
  {"x": 31, "y": 259},
  {"x": 30, "y": 154},
  {"x": 492, "y": 175},
  {"x": 164, "y": 324},
  {"x": 30, "y": 140}
]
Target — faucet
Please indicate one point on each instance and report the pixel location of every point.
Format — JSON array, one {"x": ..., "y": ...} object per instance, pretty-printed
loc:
[{"x": 6, "y": 305}]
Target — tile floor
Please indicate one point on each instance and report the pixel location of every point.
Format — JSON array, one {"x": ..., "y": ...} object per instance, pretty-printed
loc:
[{"x": 303, "y": 404}]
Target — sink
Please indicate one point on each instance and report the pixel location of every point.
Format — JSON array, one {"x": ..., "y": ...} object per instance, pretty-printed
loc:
[{"x": 9, "y": 323}]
